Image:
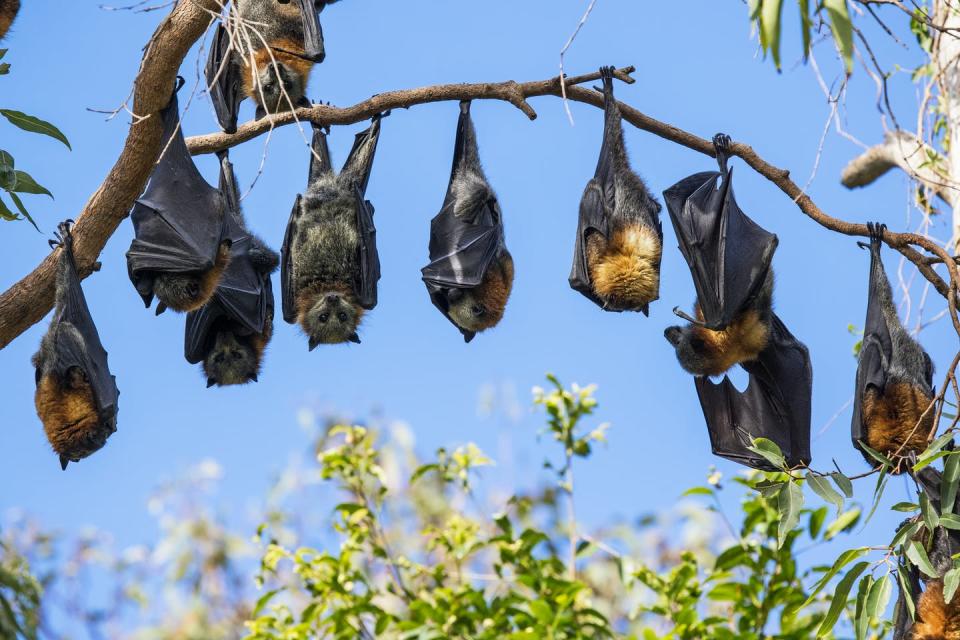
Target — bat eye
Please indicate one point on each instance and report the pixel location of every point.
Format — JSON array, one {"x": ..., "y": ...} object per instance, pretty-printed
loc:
[
  {"x": 478, "y": 310},
  {"x": 324, "y": 317},
  {"x": 697, "y": 344},
  {"x": 218, "y": 358},
  {"x": 342, "y": 317},
  {"x": 193, "y": 289}
]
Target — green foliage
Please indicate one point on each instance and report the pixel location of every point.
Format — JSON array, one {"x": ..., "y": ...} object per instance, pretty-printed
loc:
[
  {"x": 410, "y": 548},
  {"x": 19, "y": 596},
  {"x": 834, "y": 15},
  {"x": 13, "y": 181}
]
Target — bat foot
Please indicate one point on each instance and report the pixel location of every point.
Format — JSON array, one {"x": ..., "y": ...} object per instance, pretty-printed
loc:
[{"x": 722, "y": 142}]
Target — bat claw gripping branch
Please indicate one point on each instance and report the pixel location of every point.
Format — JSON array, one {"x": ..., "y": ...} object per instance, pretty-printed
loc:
[{"x": 721, "y": 146}]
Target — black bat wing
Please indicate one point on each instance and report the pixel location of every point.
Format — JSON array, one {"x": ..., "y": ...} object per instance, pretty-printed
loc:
[
  {"x": 776, "y": 404},
  {"x": 288, "y": 277},
  {"x": 597, "y": 203},
  {"x": 242, "y": 300},
  {"x": 178, "y": 222},
  {"x": 728, "y": 254},
  {"x": 594, "y": 218},
  {"x": 224, "y": 80},
  {"x": 358, "y": 167},
  {"x": 312, "y": 31},
  {"x": 876, "y": 349},
  {"x": 369, "y": 274},
  {"x": 77, "y": 342}
]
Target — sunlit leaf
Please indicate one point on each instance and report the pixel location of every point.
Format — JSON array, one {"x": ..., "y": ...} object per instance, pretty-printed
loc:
[{"x": 34, "y": 125}]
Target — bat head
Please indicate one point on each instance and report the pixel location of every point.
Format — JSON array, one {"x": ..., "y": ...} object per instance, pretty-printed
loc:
[
  {"x": 482, "y": 307},
  {"x": 330, "y": 317},
  {"x": 279, "y": 78},
  {"x": 231, "y": 361},
  {"x": 191, "y": 290},
  {"x": 696, "y": 353}
]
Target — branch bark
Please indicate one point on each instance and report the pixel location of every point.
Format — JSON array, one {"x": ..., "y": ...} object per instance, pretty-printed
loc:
[
  {"x": 516, "y": 93},
  {"x": 903, "y": 150},
  {"x": 29, "y": 300}
]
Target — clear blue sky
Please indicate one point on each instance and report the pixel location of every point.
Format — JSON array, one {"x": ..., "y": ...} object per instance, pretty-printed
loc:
[{"x": 697, "y": 69}]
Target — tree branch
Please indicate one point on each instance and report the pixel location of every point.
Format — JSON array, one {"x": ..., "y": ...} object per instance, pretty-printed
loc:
[
  {"x": 29, "y": 300},
  {"x": 516, "y": 93},
  {"x": 904, "y": 150}
]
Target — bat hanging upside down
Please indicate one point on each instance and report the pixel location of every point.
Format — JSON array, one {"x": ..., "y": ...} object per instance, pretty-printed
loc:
[
  {"x": 470, "y": 275},
  {"x": 739, "y": 330},
  {"x": 76, "y": 397},
  {"x": 330, "y": 266},
  {"x": 619, "y": 242},
  {"x": 893, "y": 412}
]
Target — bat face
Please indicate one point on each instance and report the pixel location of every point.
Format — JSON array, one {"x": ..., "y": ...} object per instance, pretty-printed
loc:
[
  {"x": 482, "y": 307},
  {"x": 231, "y": 361},
  {"x": 704, "y": 352},
  {"x": 278, "y": 79},
  {"x": 330, "y": 317}
]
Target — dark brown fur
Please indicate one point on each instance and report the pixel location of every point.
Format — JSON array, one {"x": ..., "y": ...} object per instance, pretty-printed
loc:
[
  {"x": 900, "y": 414},
  {"x": 936, "y": 620},
  {"x": 69, "y": 415},
  {"x": 8, "y": 13}
]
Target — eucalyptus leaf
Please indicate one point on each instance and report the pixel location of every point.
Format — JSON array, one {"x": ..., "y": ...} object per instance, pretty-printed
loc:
[{"x": 33, "y": 124}]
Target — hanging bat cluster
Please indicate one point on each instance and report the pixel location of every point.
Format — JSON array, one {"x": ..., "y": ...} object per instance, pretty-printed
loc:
[
  {"x": 76, "y": 396},
  {"x": 893, "y": 400},
  {"x": 616, "y": 261},
  {"x": 193, "y": 251},
  {"x": 8, "y": 13},
  {"x": 730, "y": 257},
  {"x": 934, "y": 618},
  {"x": 230, "y": 333},
  {"x": 266, "y": 56},
  {"x": 470, "y": 274},
  {"x": 330, "y": 265}
]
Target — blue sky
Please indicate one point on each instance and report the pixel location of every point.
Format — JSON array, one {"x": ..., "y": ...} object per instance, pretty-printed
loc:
[{"x": 703, "y": 73}]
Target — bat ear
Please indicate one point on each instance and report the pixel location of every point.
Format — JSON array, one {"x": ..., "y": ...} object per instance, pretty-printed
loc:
[
  {"x": 468, "y": 336},
  {"x": 355, "y": 338},
  {"x": 645, "y": 310},
  {"x": 313, "y": 344},
  {"x": 161, "y": 308},
  {"x": 64, "y": 461},
  {"x": 254, "y": 378},
  {"x": 211, "y": 382}
]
